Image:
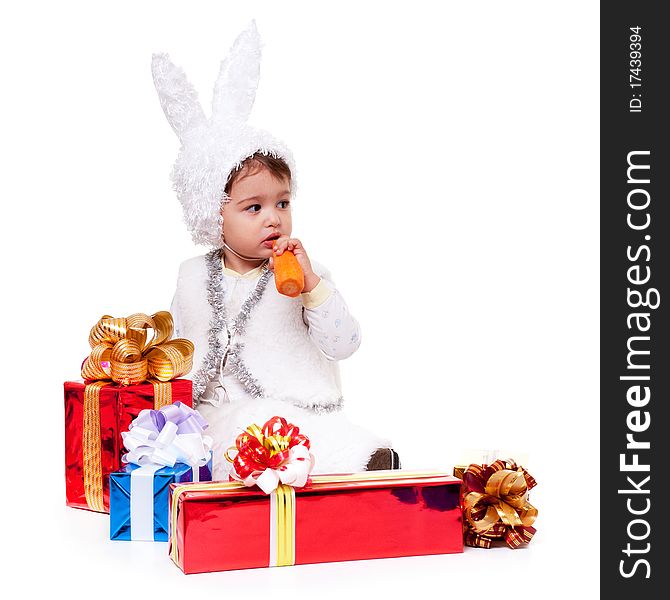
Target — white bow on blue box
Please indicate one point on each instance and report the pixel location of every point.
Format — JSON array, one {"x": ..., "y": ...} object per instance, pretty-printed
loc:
[{"x": 164, "y": 446}]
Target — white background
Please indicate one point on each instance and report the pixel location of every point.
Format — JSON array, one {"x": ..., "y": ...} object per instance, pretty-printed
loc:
[{"x": 448, "y": 176}]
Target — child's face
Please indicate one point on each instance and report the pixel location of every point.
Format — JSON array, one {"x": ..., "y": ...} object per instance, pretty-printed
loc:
[{"x": 259, "y": 208}]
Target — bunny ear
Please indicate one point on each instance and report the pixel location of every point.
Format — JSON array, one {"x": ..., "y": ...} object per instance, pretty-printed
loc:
[
  {"x": 235, "y": 88},
  {"x": 177, "y": 96}
]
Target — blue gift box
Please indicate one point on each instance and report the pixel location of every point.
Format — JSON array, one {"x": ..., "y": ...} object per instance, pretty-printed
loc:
[{"x": 143, "y": 515}]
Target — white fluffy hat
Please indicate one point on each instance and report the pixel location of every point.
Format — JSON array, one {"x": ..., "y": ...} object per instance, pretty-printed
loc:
[{"x": 211, "y": 148}]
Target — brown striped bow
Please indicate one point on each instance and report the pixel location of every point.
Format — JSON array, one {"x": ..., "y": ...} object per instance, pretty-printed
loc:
[
  {"x": 122, "y": 352},
  {"x": 495, "y": 504}
]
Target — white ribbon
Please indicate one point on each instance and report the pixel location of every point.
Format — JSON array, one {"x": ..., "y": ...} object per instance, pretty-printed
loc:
[
  {"x": 142, "y": 503},
  {"x": 167, "y": 448},
  {"x": 142, "y": 500},
  {"x": 293, "y": 472},
  {"x": 151, "y": 451}
]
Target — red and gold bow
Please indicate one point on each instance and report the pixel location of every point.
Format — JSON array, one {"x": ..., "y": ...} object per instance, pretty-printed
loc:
[
  {"x": 495, "y": 504},
  {"x": 122, "y": 352},
  {"x": 258, "y": 449}
]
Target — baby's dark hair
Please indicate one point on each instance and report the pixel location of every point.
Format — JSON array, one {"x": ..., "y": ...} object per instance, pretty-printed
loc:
[{"x": 277, "y": 167}]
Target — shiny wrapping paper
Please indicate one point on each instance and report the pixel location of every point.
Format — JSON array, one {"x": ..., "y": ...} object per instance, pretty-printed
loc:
[
  {"x": 377, "y": 514},
  {"x": 120, "y": 517},
  {"x": 119, "y": 405}
]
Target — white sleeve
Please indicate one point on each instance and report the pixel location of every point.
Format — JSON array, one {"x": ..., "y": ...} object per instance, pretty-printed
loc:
[{"x": 332, "y": 328}]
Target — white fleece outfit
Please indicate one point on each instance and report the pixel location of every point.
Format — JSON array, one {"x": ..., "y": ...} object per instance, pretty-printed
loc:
[{"x": 291, "y": 347}]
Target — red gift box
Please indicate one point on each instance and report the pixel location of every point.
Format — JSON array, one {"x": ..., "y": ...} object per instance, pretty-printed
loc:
[
  {"x": 220, "y": 526},
  {"x": 118, "y": 406}
]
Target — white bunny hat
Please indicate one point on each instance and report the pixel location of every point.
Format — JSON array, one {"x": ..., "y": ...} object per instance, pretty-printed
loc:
[{"x": 212, "y": 148}]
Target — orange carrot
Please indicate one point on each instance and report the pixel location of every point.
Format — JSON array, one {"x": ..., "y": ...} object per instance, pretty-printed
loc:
[{"x": 289, "y": 277}]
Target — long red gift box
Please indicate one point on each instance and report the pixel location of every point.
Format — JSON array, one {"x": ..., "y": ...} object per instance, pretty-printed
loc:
[
  {"x": 119, "y": 405},
  {"x": 220, "y": 526}
]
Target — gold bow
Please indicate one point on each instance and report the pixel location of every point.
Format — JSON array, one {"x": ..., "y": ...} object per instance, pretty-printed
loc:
[
  {"x": 122, "y": 352},
  {"x": 496, "y": 503}
]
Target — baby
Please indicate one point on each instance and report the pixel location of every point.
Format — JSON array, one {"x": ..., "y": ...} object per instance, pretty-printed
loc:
[{"x": 257, "y": 353}]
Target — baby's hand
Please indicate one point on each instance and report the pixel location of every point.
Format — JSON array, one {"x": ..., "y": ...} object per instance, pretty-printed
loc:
[{"x": 295, "y": 245}]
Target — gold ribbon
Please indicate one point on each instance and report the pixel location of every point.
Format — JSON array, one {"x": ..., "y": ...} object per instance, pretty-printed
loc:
[
  {"x": 284, "y": 498},
  {"x": 505, "y": 499},
  {"x": 91, "y": 446},
  {"x": 285, "y": 517},
  {"x": 502, "y": 505},
  {"x": 122, "y": 352},
  {"x": 285, "y": 525}
]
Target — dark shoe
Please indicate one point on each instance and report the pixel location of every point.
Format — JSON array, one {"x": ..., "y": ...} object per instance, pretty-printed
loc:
[{"x": 383, "y": 458}]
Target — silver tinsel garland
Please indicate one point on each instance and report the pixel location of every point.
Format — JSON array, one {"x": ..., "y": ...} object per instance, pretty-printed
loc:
[
  {"x": 321, "y": 408},
  {"x": 238, "y": 367},
  {"x": 215, "y": 356}
]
